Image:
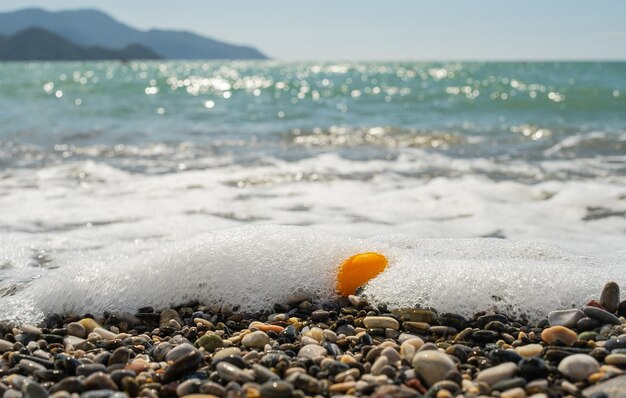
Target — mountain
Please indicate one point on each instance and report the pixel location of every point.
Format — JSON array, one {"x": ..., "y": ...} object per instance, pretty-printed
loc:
[
  {"x": 38, "y": 44},
  {"x": 94, "y": 28}
]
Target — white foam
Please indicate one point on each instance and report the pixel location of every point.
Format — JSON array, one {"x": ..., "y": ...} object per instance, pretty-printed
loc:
[
  {"x": 254, "y": 267},
  {"x": 81, "y": 214}
]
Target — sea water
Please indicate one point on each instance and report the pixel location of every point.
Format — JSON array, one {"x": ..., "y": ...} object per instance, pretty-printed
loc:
[{"x": 104, "y": 167}]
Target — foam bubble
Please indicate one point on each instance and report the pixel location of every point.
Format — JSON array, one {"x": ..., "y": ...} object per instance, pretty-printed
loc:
[{"x": 254, "y": 267}]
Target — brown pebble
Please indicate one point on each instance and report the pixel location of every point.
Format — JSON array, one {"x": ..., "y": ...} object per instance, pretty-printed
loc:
[{"x": 561, "y": 334}]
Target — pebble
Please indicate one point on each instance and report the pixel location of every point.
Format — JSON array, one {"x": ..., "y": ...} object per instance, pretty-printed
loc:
[
  {"x": 497, "y": 373},
  {"x": 612, "y": 388},
  {"x": 383, "y": 322},
  {"x": 76, "y": 329},
  {"x": 256, "y": 339},
  {"x": 276, "y": 389},
  {"x": 432, "y": 366},
  {"x": 567, "y": 318},
  {"x": 578, "y": 367},
  {"x": 312, "y": 351},
  {"x": 89, "y": 324},
  {"x": 179, "y": 351},
  {"x": 609, "y": 299},
  {"x": 601, "y": 315},
  {"x": 615, "y": 359},
  {"x": 561, "y": 334},
  {"x": 530, "y": 350},
  {"x": 210, "y": 342},
  {"x": 5, "y": 346}
]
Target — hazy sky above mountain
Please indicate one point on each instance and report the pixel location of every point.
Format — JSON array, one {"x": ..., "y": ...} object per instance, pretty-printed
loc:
[{"x": 403, "y": 29}]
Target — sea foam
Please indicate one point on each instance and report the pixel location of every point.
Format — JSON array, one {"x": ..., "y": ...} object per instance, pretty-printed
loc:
[{"x": 254, "y": 267}]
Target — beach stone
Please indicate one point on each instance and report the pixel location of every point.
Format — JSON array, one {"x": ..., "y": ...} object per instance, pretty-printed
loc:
[
  {"x": 498, "y": 356},
  {"x": 30, "y": 366},
  {"x": 311, "y": 351},
  {"x": 508, "y": 384},
  {"x": 529, "y": 350},
  {"x": 379, "y": 364},
  {"x": 578, "y": 367},
  {"x": 5, "y": 346},
  {"x": 276, "y": 389},
  {"x": 459, "y": 322},
  {"x": 485, "y": 319},
  {"x": 567, "y": 318},
  {"x": 601, "y": 315},
  {"x": 615, "y": 343},
  {"x": 432, "y": 366},
  {"x": 33, "y": 390},
  {"x": 87, "y": 369},
  {"x": 532, "y": 368},
  {"x": 612, "y": 388},
  {"x": 586, "y": 324},
  {"x": 615, "y": 359},
  {"x": 225, "y": 353},
  {"x": 415, "y": 315},
  {"x": 230, "y": 372},
  {"x": 183, "y": 365},
  {"x": 382, "y": 322},
  {"x": 517, "y": 392},
  {"x": 497, "y": 373},
  {"x": 609, "y": 299},
  {"x": 391, "y": 354},
  {"x": 106, "y": 334},
  {"x": 120, "y": 355},
  {"x": 256, "y": 339},
  {"x": 212, "y": 388},
  {"x": 179, "y": 351},
  {"x": 76, "y": 329},
  {"x": 89, "y": 324},
  {"x": 561, "y": 334},
  {"x": 167, "y": 315},
  {"x": 210, "y": 342},
  {"x": 188, "y": 387},
  {"x": 621, "y": 310},
  {"x": 100, "y": 381}
]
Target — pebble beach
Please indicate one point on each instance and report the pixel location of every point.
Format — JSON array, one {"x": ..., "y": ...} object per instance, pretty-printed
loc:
[{"x": 341, "y": 348}]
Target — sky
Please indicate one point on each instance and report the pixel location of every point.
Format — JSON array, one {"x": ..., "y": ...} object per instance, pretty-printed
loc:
[{"x": 385, "y": 30}]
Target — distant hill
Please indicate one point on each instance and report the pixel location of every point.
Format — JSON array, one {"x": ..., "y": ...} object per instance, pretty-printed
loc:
[
  {"x": 94, "y": 28},
  {"x": 38, "y": 44}
]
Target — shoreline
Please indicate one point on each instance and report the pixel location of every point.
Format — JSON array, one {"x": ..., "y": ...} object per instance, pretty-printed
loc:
[{"x": 341, "y": 348}]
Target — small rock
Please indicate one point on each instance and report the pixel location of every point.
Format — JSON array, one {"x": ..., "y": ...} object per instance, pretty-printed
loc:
[
  {"x": 380, "y": 322},
  {"x": 497, "y": 373},
  {"x": 529, "y": 350},
  {"x": 559, "y": 333},
  {"x": 33, "y": 390},
  {"x": 601, "y": 315},
  {"x": 210, "y": 342},
  {"x": 256, "y": 339},
  {"x": 5, "y": 346},
  {"x": 276, "y": 389},
  {"x": 432, "y": 366},
  {"x": 612, "y": 388},
  {"x": 76, "y": 329},
  {"x": 100, "y": 381},
  {"x": 168, "y": 315},
  {"x": 609, "y": 298},
  {"x": 311, "y": 351},
  {"x": 618, "y": 360},
  {"x": 179, "y": 351},
  {"x": 567, "y": 318},
  {"x": 89, "y": 324},
  {"x": 578, "y": 367}
]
